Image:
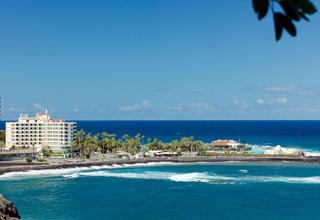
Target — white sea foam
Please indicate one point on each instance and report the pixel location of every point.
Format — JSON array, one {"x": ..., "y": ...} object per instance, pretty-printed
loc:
[
  {"x": 116, "y": 165},
  {"x": 70, "y": 171},
  {"x": 203, "y": 177},
  {"x": 308, "y": 152},
  {"x": 200, "y": 177},
  {"x": 176, "y": 177},
  {"x": 313, "y": 179},
  {"x": 243, "y": 171},
  {"x": 313, "y": 154},
  {"x": 145, "y": 175},
  {"x": 109, "y": 171},
  {"x": 42, "y": 173}
]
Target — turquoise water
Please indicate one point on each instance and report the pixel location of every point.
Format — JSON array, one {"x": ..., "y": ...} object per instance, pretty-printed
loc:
[
  {"x": 238, "y": 191},
  {"x": 202, "y": 191},
  {"x": 256, "y": 151}
]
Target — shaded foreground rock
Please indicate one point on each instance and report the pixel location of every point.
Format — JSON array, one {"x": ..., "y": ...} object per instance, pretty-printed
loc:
[{"x": 8, "y": 210}]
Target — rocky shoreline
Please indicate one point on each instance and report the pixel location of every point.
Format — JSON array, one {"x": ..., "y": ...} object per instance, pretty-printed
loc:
[
  {"x": 8, "y": 210},
  {"x": 39, "y": 166}
]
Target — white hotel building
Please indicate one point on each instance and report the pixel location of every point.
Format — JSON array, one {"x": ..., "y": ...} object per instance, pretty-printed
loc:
[{"x": 39, "y": 131}]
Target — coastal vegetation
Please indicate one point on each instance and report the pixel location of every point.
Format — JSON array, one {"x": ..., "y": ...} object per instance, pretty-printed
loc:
[
  {"x": 2, "y": 139},
  {"x": 42, "y": 160},
  {"x": 29, "y": 159},
  {"x": 86, "y": 143},
  {"x": 185, "y": 144},
  {"x": 2, "y": 136}
]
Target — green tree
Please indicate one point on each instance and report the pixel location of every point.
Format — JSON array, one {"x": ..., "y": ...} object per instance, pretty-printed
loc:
[
  {"x": 78, "y": 144},
  {"x": 290, "y": 11},
  {"x": 155, "y": 144},
  {"x": 132, "y": 145},
  {"x": 174, "y": 146},
  {"x": 3, "y": 135},
  {"x": 186, "y": 144},
  {"x": 85, "y": 143},
  {"x": 89, "y": 146},
  {"x": 103, "y": 141},
  {"x": 2, "y": 146}
]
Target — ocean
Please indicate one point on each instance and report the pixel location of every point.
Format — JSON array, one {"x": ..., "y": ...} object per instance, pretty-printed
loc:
[
  {"x": 185, "y": 191},
  {"x": 296, "y": 134}
]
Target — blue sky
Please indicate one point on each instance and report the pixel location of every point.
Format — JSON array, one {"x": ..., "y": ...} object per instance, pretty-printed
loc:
[{"x": 155, "y": 59}]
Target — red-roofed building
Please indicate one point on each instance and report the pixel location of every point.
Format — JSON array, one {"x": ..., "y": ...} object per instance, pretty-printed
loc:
[{"x": 222, "y": 144}]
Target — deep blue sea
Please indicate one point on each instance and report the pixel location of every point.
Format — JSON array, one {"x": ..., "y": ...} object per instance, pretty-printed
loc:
[{"x": 198, "y": 191}]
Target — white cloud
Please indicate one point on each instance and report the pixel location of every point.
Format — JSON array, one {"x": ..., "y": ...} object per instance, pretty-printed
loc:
[
  {"x": 261, "y": 102},
  {"x": 145, "y": 104},
  {"x": 14, "y": 109},
  {"x": 191, "y": 107},
  {"x": 277, "y": 101},
  {"x": 38, "y": 107},
  {"x": 299, "y": 110},
  {"x": 76, "y": 110},
  {"x": 287, "y": 89},
  {"x": 281, "y": 101},
  {"x": 240, "y": 104},
  {"x": 129, "y": 108}
]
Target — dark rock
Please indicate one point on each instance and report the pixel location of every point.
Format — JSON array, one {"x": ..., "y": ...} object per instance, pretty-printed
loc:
[{"x": 8, "y": 210}]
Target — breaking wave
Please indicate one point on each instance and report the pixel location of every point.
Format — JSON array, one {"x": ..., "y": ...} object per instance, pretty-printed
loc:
[
  {"x": 121, "y": 171},
  {"x": 201, "y": 177},
  {"x": 66, "y": 171},
  {"x": 146, "y": 175},
  {"x": 42, "y": 173}
]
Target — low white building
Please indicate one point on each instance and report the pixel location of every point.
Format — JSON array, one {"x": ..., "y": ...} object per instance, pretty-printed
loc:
[
  {"x": 225, "y": 144},
  {"x": 38, "y": 131},
  {"x": 278, "y": 150}
]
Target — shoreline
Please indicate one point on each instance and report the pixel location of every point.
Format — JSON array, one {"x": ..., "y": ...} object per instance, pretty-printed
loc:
[{"x": 20, "y": 167}]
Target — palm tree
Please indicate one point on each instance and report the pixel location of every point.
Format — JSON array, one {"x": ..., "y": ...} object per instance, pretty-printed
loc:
[
  {"x": 90, "y": 145},
  {"x": 132, "y": 145},
  {"x": 155, "y": 144},
  {"x": 2, "y": 145},
  {"x": 103, "y": 136},
  {"x": 186, "y": 144},
  {"x": 78, "y": 144}
]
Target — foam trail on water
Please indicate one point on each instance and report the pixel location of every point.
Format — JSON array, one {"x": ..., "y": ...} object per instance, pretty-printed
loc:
[
  {"x": 145, "y": 175},
  {"x": 243, "y": 171},
  {"x": 109, "y": 171},
  {"x": 42, "y": 173},
  {"x": 284, "y": 179},
  {"x": 70, "y": 171},
  {"x": 200, "y": 177},
  {"x": 177, "y": 177}
]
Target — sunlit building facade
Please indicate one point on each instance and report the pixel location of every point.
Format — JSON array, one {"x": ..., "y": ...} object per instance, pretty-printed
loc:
[{"x": 40, "y": 130}]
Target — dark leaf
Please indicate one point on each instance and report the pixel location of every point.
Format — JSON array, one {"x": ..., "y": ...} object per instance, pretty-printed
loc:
[
  {"x": 295, "y": 4},
  {"x": 303, "y": 16},
  {"x": 308, "y": 7},
  {"x": 287, "y": 24},
  {"x": 277, "y": 26},
  {"x": 261, "y": 7},
  {"x": 290, "y": 9}
]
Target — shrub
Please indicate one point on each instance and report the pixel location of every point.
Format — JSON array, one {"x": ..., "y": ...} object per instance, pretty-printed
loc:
[
  {"x": 42, "y": 160},
  {"x": 29, "y": 159}
]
